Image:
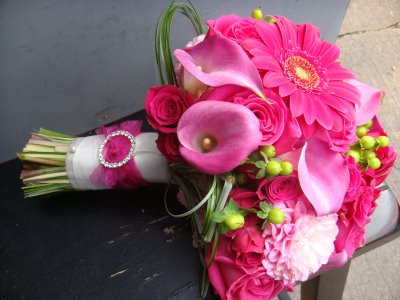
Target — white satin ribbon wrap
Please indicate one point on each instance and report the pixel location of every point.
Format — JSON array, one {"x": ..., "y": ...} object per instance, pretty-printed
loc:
[{"x": 82, "y": 160}]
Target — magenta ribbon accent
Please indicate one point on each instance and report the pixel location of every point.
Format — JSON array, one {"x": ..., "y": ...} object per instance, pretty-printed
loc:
[{"x": 116, "y": 149}]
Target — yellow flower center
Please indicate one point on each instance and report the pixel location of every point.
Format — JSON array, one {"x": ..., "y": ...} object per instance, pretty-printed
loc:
[
  {"x": 301, "y": 72},
  {"x": 208, "y": 144}
]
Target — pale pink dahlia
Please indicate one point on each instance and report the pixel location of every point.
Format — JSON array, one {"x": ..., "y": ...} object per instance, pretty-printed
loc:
[
  {"x": 304, "y": 68},
  {"x": 296, "y": 249}
]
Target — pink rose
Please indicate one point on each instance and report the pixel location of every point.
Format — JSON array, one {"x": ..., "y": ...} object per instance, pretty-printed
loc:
[
  {"x": 279, "y": 189},
  {"x": 247, "y": 246},
  {"x": 232, "y": 281},
  {"x": 272, "y": 116},
  {"x": 165, "y": 105},
  {"x": 339, "y": 139},
  {"x": 388, "y": 157},
  {"x": 244, "y": 198},
  {"x": 234, "y": 27},
  {"x": 355, "y": 179},
  {"x": 168, "y": 144},
  {"x": 353, "y": 218},
  {"x": 292, "y": 138},
  {"x": 255, "y": 286}
]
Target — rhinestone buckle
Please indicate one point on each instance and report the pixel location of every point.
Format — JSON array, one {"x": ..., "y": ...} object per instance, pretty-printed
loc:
[{"x": 120, "y": 163}]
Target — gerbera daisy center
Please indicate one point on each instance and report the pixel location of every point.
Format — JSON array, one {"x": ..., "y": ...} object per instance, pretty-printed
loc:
[{"x": 301, "y": 72}]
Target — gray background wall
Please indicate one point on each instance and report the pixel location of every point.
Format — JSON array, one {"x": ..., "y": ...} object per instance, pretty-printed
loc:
[{"x": 72, "y": 65}]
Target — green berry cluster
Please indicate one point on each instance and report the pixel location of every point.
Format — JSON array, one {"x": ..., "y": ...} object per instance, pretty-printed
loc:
[
  {"x": 364, "y": 150},
  {"x": 267, "y": 164},
  {"x": 271, "y": 166},
  {"x": 230, "y": 218},
  {"x": 271, "y": 214},
  {"x": 258, "y": 15}
]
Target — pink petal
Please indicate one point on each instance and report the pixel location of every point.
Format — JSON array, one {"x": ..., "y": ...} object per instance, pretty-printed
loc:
[
  {"x": 336, "y": 260},
  {"x": 234, "y": 127},
  {"x": 273, "y": 79},
  {"x": 265, "y": 62},
  {"x": 345, "y": 91},
  {"x": 309, "y": 112},
  {"x": 307, "y": 36},
  {"x": 286, "y": 89},
  {"x": 324, "y": 176},
  {"x": 337, "y": 72},
  {"x": 333, "y": 102},
  {"x": 297, "y": 103},
  {"x": 228, "y": 64},
  {"x": 370, "y": 102},
  {"x": 286, "y": 28},
  {"x": 255, "y": 46},
  {"x": 329, "y": 54},
  {"x": 323, "y": 114},
  {"x": 269, "y": 35},
  {"x": 291, "y": 134}
]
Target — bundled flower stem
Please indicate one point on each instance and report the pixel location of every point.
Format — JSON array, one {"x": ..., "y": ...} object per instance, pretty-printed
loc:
[{"x": 44, "y": 159}]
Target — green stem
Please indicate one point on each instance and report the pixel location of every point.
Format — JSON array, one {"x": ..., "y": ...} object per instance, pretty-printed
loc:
[
  {"x": 194, "y": 209},
  {"x": 220, "y": 206},
  {"x": 164, "y": 60}
]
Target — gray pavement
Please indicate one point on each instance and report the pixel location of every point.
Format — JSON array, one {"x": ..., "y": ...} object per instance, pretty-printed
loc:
[{"x": 370, "y": 43}]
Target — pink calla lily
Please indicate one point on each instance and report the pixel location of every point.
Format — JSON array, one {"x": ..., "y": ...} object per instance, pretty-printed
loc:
[
  {"x": 233, "y": 128},
  {"x": 219, "y": 61},
  {"x": 370, "y": 101},
  {"x": 323, "y": 174}
]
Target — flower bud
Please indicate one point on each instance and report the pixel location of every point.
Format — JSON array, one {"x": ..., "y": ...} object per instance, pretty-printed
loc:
[
  {"x": 234, "y": 221},
  {"x": 257, "y": 14},
  {"x": 276, "y": 216},
  {"x": 192, "y": 84}
]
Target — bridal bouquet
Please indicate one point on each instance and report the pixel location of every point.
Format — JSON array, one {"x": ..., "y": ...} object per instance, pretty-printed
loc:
[{"x": 275, "y": 146}]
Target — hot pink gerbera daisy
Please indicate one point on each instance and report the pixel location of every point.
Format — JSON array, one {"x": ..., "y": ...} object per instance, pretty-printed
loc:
[{"x": 304, "y": 68}]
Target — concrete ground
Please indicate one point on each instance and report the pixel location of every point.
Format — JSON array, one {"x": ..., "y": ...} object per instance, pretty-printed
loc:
[{"x": 370, "y": 44}]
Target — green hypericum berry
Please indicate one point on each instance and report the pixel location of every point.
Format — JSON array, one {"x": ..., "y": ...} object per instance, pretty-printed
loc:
[
  {"x": 241, "y": 178},
  {"x": 269, "y": 151},
  {"x": 276, "y": 216},
  {"x": 273, "y": 168},
  {"x": 287, "y": 168},
  {"x": 257, "y": 14},
  {"x": 374, "y": 163},
  {"x": 369, "y": 154},
  {"x": 369, "y": 124},
  {"x": 355, "y": 154},
  {"x": 234, "y": 221},
  {"x": 367, "y": 142},
  {"x": 361, "y": 131},
  {"x": 383, "y": 141}
]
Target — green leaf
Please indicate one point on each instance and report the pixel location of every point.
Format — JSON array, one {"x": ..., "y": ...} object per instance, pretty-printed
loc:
[
  {"x": 260, "y": 164},
  {"x": 219, "y": 216},
  {"x": 264, "y": 156},
  {"x": 264, "y": 206},
  {"x": 232, "y": 205},
  {"x": 243, "y": 213},
  {"x": 262, "y": 215},
  {"x": 260, "y": 174},
  {"x": 264, "y": 224},
  {"x": 222, "y": 228},
  {"x": 269, "y": 20}
]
